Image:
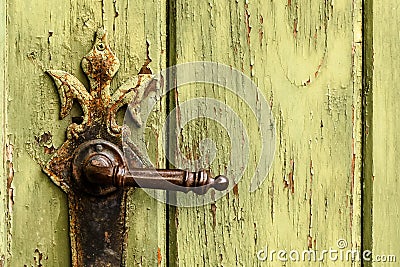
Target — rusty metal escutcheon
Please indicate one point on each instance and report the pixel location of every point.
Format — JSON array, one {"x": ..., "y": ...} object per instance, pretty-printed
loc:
[{"x": 90, "y": 166}]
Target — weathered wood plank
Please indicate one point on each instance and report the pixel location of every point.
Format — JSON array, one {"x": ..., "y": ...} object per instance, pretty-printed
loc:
[
  {"x": 383, "y": 129},
  {"x": 37, "y": 209},
  {"x": 56, "y": 34},
  {"x": 3, "y": 168},
  {"x": 305, "y": 57}
]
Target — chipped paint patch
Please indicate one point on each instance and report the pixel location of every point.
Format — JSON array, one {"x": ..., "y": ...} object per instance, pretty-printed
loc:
[
  {"x": 289, "y": 182},
  {"x": 310, "y": 202},
  {"x": 213, "y": 210},
  {"x": 247, "y": 22},
  {"x": 38, "y": 258},
  {"x": 45, "y": 140}
]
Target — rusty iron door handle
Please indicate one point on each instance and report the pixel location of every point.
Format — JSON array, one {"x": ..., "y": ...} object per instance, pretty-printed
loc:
[
  {"x": 100, "y": 168},
  {"x": 90, "y": 167}
]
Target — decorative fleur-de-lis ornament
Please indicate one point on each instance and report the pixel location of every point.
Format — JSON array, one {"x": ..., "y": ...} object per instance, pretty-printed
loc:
[
  {"x": 99, "y": 106},
  {"x": 96, "y": 223}
]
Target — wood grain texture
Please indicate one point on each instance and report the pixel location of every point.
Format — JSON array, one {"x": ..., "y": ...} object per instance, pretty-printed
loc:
[
  {"x": 384, "y": 137},
  {"x": 56, "y": 35},
  {"x": 305, "y": 58}
]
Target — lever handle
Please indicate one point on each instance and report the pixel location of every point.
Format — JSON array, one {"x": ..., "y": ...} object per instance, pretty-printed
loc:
[
  {"x": 177, "y": 180},
  {"x": 102, "y": 165}
]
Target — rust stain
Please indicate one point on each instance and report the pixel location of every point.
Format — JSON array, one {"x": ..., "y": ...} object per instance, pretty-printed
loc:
[
  {"x": 295, "y": 28},
  {"x": 309, "y": 242},
  {"x": 235, "y": 190},
  {"x": 49, "y": 149},
  {"x": 247, "y": 22},
  {"x": 260, "y": 35},
  {"x": 289, "y": 3},
  {"x": 318, "y": 70},
  {"x": 291, "y": 177},
  {"x": 159, "y": 257}
]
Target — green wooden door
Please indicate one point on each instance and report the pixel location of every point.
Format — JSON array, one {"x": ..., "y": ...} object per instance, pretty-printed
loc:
[{"x": 328, "y": 72}]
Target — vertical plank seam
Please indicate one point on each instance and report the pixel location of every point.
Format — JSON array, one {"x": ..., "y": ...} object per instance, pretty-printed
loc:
[
  {"x": 171, "y": 236},
  {"x": 357, "y": 124},
  {"x": 367, "y": 128}
]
